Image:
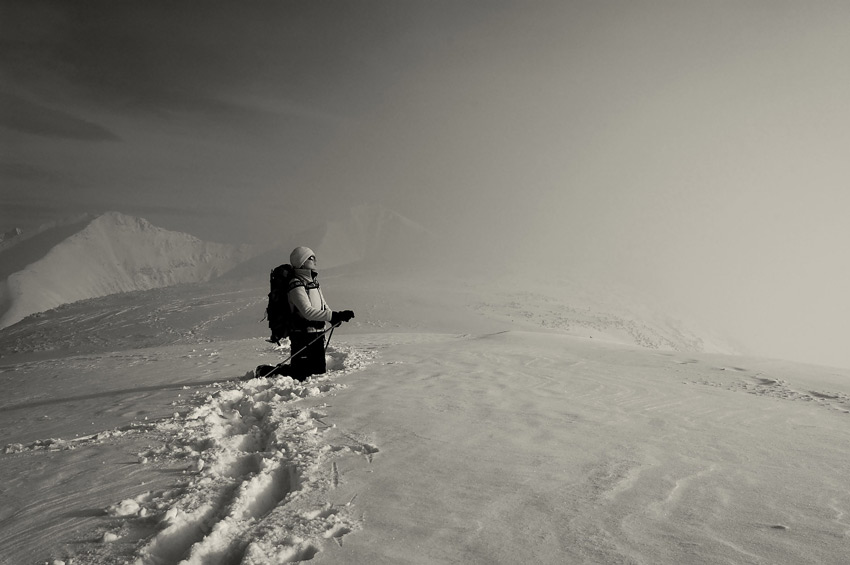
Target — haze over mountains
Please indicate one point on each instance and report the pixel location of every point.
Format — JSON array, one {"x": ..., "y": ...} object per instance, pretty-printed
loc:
[
  {"x": 369, "y": 234},
  {"x": 377, "y": 250},
  {"x": 91, "y": 257}
]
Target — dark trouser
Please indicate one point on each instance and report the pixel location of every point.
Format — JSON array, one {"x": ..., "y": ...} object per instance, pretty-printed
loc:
[{"x": 311, "y": 361}]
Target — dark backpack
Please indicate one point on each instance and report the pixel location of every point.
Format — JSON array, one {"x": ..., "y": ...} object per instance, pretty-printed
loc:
[{"x": 278, "y": 312}]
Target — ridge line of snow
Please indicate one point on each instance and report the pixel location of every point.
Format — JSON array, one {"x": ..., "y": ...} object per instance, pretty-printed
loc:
[{"x": 114, "y": 253}]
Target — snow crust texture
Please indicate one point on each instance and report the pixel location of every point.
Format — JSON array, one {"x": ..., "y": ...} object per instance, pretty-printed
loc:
[{"x": 114, "y": 253}]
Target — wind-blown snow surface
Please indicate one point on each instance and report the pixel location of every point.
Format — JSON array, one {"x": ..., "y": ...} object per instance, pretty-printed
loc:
[
  {"x": 114, "y": 253},
  {"x": 459, "y": 424}
]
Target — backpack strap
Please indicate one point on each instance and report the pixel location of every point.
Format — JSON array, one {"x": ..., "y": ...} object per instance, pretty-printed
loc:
[
  {"x": 299, "y": 323},
  {"x": 297, "y": 281}
]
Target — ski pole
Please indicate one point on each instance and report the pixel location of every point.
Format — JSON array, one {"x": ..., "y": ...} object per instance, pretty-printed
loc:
[{"x": 330, "y": 336}]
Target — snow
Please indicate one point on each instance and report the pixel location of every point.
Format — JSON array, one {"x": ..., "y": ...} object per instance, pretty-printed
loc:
[
  {"x": 449, "y": 429},
  {"x": 114, "y": 253},
  {"x": 473, "y": 420}
]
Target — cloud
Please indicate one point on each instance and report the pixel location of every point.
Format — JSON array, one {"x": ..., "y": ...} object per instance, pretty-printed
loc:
[
  {"x": 25, "y": 116},
  {"x": 321, "y": 58}
]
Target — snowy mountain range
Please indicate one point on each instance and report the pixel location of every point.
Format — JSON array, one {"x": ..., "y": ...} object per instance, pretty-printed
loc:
[{"x": 115, "y": 253}]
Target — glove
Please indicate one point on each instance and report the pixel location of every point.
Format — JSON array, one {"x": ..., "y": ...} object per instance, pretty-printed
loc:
[{"x": 341, "y": 316}]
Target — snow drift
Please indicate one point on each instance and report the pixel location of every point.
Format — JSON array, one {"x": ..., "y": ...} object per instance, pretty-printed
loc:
[{"x": 114, "y": 253}]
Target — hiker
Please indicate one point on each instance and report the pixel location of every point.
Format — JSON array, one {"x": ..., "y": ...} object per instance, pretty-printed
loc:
[{"x": 310, "y": 314}]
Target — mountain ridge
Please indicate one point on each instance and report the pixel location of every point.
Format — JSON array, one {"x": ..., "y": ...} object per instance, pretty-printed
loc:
[
  {"x": 366, "y": 237},
  {"x": 369, "y": 234},
  {"x": 113, "y": 253},
  {"x": 377, "y": 261}
]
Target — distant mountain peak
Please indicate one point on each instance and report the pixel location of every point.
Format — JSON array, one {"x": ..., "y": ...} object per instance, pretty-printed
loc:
[
  {"x": 368, "y": 234},
  {"x": 113, "y": 253}
]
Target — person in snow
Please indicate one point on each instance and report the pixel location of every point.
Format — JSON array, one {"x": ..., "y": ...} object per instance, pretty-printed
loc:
[{"x": 311, "y": 313}]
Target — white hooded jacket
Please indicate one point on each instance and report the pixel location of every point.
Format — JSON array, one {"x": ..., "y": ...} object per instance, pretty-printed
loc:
[{"x": 306, "y": 299}]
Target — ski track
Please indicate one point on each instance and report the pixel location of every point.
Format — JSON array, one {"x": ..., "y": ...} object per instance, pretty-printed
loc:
[{"x": 257, "y": 469}]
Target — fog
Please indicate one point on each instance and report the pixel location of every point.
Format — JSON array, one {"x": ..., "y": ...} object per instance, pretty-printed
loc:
[{"x": 693, "y": 149}]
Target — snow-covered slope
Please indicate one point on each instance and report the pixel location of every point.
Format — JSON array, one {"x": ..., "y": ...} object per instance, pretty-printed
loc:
[
  {"x": 114, "y": 253},
  {"x": 451, "y": 428},
  {"x": 18, "y": 252}
]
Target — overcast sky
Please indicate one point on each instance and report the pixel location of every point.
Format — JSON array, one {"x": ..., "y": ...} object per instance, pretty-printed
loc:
[{"x": 698, "y": 148}]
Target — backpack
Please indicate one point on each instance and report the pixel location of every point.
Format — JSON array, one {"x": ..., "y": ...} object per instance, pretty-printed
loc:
[{"x": 278, "y": 312}]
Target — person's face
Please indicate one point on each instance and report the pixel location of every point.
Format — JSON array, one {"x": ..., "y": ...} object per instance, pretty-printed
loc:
[{"x": 310, "y": 263}]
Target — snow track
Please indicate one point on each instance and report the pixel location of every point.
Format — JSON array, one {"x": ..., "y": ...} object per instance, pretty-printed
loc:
[
  {"x": 254, "y": 461},
  {"x": 254, "y": 457}
]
